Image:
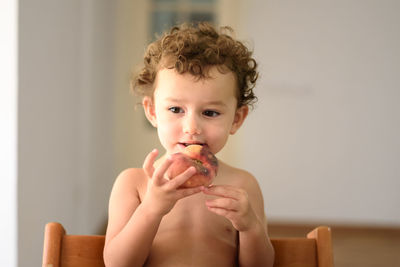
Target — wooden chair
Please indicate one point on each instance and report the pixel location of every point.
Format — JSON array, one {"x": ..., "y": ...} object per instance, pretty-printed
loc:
[
  {"x": 313, "y": 251},
  {"x": 63, "y": 250}
]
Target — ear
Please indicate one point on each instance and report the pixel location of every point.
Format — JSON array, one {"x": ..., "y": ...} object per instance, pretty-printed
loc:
[
  {"x": 149, "y": 110},
  {"x": 240, "y": 116}
]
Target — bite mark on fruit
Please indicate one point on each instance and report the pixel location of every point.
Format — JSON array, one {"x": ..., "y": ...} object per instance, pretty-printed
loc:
[{"x": 201, "y": 158}]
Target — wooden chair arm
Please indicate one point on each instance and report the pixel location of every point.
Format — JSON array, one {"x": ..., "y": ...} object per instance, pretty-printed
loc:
[
  {"x": 323, "y": 237},
  {"x": 54, "y": 233}
]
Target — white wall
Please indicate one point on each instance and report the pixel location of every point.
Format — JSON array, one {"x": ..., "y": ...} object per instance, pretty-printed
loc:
[
  {"x": 324, "y": 139},
  {"x": 133, "y": 136},
  {"x": 65, "y": 113},
  {"x": 8, "y": 132}
]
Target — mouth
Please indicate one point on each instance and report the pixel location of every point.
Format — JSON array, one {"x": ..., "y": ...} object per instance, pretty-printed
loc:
[{"x": 192, "y": 143}]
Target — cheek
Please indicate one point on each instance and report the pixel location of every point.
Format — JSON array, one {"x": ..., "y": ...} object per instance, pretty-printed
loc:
[
  {"x": 166, "y": 130},
  {"x": 164, "y": 136},
  {"x": 221, "y": 128},
  {"x": 218, "y": 137},
  {"x": 225, "y": 127}
]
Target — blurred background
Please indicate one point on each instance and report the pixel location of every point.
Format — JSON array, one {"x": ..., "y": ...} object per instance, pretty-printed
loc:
[{"x": 323, "y": 140}]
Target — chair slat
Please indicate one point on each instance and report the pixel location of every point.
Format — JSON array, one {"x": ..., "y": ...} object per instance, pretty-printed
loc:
[
  {"x": 323, "y": 237},
  {"x": 80, "y": 250},
  {"x": 53, "y": 236},
  {"x": 295, "y": 252}
]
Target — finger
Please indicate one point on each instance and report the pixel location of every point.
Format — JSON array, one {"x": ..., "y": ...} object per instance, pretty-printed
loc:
[
  {"x": 182, "y": 178},
  {"x": 219, "y": 211},
  {"x": 149, "y": 162},
  {"x": 224, "y": 203},
  {"x": 159, "y": 173},
  {"x": 223, "y": 191},
  {"x": 229, "y": 214},
  {"x": 185, "y": 192}
]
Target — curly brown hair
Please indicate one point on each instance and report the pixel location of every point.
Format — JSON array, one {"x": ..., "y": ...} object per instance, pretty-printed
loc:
[{"x": 194, "y": 49}]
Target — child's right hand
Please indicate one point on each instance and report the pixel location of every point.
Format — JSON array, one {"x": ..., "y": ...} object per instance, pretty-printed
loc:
[{"x": 162, "y": 193}]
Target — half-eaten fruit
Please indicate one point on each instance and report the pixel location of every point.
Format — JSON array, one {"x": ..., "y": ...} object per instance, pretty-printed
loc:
[{"x": 201, "y": 158}]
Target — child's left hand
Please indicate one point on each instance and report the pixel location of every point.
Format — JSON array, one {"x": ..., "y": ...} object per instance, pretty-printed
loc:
[{"x": 232, "y": 203}]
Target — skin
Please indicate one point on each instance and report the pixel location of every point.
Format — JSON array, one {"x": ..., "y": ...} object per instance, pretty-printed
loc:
[{"x": 153, "y": 222}]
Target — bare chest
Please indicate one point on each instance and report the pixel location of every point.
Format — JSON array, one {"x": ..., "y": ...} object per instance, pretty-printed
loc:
[
  {"x": 190, "y": 215},
  {"x": 190, "y": 235}
]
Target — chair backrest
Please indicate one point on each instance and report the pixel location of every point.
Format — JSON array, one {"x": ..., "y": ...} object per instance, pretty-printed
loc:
[
  {"x": 63, "y": 250},
  {"x": 313, "y": 251}
]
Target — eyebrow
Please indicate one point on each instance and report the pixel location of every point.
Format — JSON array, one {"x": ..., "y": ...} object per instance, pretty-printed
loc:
[{"x": 216, "y": 102}]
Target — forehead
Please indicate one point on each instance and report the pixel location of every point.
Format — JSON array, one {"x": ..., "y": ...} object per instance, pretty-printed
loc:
[{"x": 217, "y": 82}]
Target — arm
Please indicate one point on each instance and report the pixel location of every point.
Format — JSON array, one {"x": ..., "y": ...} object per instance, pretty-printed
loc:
[
  {"x": 255, "y": 248},
  {"x": 245, "y": 209},
  {"x": 132, "y": 224}
]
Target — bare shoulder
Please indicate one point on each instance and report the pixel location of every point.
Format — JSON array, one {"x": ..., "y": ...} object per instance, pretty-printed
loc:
[
  {"x": 238, "y": 177},
  {"x": 129, "y": 179},
  {"x": 124, "y": 199},
  {"x": 127, "y": 189}
]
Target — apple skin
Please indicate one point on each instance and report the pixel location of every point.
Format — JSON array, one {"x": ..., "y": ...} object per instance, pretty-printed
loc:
[{"x": 201, "y": 158}]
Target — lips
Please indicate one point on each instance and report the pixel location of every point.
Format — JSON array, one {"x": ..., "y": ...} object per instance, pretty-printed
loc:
[{"x": 192, "y": 143}]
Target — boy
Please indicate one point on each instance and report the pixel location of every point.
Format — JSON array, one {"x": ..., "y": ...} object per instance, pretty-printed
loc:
[{"x": 196, "y": 85}]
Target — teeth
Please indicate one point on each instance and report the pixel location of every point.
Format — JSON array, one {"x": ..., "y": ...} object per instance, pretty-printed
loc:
[{"x": 188, "y": 144}]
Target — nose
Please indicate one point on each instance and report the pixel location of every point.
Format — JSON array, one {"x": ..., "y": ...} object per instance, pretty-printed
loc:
[{"x": 191, "y": 125}]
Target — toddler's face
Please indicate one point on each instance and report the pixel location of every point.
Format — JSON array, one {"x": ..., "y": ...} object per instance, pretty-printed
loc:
[{"x": 189, "y": 111}]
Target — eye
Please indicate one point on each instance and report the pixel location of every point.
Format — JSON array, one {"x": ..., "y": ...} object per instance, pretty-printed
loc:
[
  {"x": 211, "y": 113},
  {"x": 175, "y": 109}
]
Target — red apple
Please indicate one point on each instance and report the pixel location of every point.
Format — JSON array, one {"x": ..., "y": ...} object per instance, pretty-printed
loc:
[{"x": 201, "y": 158}]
